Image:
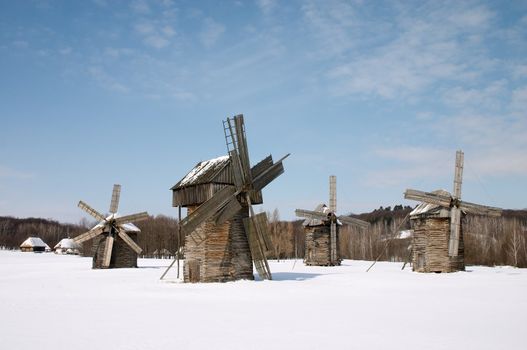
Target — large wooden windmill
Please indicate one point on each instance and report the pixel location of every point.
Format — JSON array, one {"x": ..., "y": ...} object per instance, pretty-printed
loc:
[
  {"x": 437, "y": 242},
  {"x": 223, "y": 235},
  {"x": 321, "y": 229},
  {"x": 114, "y": 245}
]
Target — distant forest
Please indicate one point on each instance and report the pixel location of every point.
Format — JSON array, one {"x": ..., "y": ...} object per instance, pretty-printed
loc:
[{"x": 488, "y": 241}]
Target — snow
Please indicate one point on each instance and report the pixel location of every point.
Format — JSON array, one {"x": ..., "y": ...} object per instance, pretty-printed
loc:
[
  {"x": 67, "y": 243},
  {"x": 404, "y": 234},
  {"x": 201, "y": 168},
  {"x": 48, "y": 297},
  {"x": 427, "y": 207},
  {"x": 128, "y": 227}
]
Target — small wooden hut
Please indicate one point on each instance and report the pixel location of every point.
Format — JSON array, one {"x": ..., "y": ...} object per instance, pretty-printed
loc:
[
  {"x": 34, "y": 244},
  {"x": 318, "y": 240},
  {"x": 67, "y": 246},
  {"x": 224, "y": 254},
  {"x": 431, "y": 235}
]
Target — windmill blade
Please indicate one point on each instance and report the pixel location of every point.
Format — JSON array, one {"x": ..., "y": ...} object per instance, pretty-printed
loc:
[
  {"x": 94, "y": 232},
  {"x": 458, "y": 174},
  {"x": 348, "y": 220},
  {"x": 427, "y": 197},
  {"x": 207, "y": 210},
  {"x": 228, "y": 211},
  {"x": 256, "y": 231},
  {"x": 122, "y": 233},
  {"x": 333, "y": 193},
  {"x": 479, "y": 209},
  {"x": 455, "y": 226},
  {"x": 131, "y": 218},
  {"x": 107, "y": 255},
  {"x": 116, "y": 193},
  {"x": 333, "y": 242},
  {"x": 311, "y": 214},
  {"x": 261, "y": 166},
  {"x": 239, "y": 179},
  {"x": 268, "y": 175},
  {"x": 91, "y": 211},
  {"x": 242, "y": 148}
]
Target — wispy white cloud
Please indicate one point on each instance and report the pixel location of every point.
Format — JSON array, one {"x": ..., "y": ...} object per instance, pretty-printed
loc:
[
  {"x": 266, "y": 6},
  {"x": 140, "y": 6},
  {"x": 211, "y": 32},
  {"x": 107, "y": 81},
  {"x": 419, "y": 48}
]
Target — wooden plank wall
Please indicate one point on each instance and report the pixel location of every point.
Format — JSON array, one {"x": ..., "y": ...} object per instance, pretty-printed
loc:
[
  {"x": 223, "y": 256},
  {"x": 430, "y": 246},
  {"x": 317, "y": 246},
  {"x": 122, "y": 255}
]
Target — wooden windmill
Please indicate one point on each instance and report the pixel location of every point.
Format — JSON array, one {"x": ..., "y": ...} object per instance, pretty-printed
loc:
[
  {"x": 223, "y": 236},
  {"x": 437, "y": 243},
  {"x": 115, "y": 246},
  {"x": 321, "y": 228}
]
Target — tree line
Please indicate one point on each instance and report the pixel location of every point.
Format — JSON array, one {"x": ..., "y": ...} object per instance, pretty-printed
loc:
[{"x": 488, "y": 241}]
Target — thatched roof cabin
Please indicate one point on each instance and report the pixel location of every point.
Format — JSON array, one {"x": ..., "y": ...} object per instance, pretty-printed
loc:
[
  {"x": 34, "y": 244},
  {"x": 67, "y": 246}
]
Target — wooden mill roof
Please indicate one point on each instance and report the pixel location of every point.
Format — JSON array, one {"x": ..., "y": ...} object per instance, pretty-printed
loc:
[
  {"x": 204, "y": 172},
  {"x": 428, "y": 208}
]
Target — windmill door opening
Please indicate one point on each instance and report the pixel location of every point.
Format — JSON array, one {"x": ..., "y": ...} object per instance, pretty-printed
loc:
[
  {"x": 420, "y": 261},
  {"x": 193, "y": 271}
]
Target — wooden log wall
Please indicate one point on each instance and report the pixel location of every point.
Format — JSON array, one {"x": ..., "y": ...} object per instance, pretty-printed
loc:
[
  {"x": 430, "y": 246},
  {"x": 223, "y": 256},
  {"x": 122, "y": 255},
  {"x": 318, "y": 251}
]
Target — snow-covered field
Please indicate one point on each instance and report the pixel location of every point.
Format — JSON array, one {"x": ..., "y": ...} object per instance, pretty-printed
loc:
[{"x": 59, "y": 302}]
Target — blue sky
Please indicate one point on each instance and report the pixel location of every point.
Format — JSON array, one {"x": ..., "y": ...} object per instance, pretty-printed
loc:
[{"x": 380, "y": 94}]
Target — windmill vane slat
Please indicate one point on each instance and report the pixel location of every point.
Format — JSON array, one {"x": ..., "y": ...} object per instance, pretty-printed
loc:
[
  {"x": 223, "y": 236},
  {"x": 322, "y": 230},
  {"x": 437, "y": 241},
  {"x": 114, "y": 237}
]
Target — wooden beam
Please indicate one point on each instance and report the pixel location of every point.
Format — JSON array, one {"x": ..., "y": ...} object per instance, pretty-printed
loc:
[
  {"x": 129, "y": 241},
  {"x": 94, "y": 232},
  {"x": 228, "y": 211},
  {"x": 206, "y": 210},
  {"x": 348, "y": 220},
  {"x": 91, "y": 211},
  {"x": 132, "y": 218},
  {"x": 107, "y": 255},
  {"x": 428, "y": 197},
  {"x": 116, "y": 194}
]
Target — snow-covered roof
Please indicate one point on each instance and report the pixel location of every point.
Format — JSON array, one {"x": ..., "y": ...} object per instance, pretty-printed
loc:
[
  {"x": 67, "y": 243},
  {"x": 321, "y": 208},
  {"x": 129, "y": 227},
  {"x": 427, "y": 207},
  {"x": 203, "y": 172},
  {"x": 33, "y": 242}
]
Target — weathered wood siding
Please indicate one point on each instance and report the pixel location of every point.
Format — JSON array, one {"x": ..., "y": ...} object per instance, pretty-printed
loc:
[
  {"x": 223, "y": 256},
  {"x": 195, "y": 195},
  {"x": 318, "y": 252},
  {"x": 122, "y": 255},
  {"x": 430, "y": 246}
]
